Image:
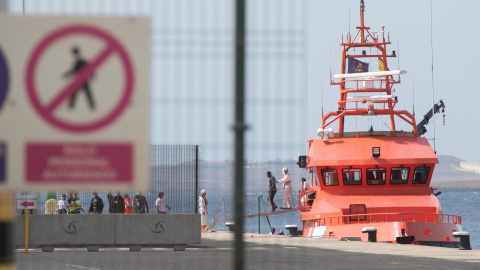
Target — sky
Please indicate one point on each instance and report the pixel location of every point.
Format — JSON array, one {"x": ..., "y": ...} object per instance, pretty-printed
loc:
[{"x": 291, "y": 46}]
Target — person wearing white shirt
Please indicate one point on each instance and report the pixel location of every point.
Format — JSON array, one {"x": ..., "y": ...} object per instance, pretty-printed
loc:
[
  {"x": 62, "y": 205},
  {"x": 308, "y": 190},
  {"x": 161, "y": 204}
]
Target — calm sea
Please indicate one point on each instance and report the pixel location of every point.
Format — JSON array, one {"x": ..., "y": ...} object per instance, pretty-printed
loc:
[{"x": 464, "y": 204}]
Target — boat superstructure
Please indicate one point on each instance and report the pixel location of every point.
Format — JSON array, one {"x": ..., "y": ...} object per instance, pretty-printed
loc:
[{"x": 372, "y": 179}]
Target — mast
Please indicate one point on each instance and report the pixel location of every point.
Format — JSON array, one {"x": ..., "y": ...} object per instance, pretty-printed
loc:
[{"x": 380, "y": 85}]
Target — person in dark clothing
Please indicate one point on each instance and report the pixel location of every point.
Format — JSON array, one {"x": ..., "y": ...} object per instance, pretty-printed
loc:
[
  {"x": 140, "y": 204},
  {"x": 272, "y": 190},
  {"x": 118, "y": 204},
  {"x": 79, "y": 64},
  {"x": 109, "y": 200},
  {"x": 96, "y": 204}
]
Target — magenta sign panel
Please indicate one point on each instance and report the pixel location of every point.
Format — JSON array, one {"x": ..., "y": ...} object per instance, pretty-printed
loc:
[{"x": 99, "y": 163}]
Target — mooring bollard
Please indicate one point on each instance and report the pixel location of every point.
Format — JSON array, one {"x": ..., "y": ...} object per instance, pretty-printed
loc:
[
  {"x": 231, "y": 226},
  {"x": 292, "y": 229},
  {"x": 464, "y": 239},
  {"x": 372, "y": 233}
]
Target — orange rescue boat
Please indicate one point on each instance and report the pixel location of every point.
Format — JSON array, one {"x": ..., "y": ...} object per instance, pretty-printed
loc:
[{"x": 373, "y": 183}]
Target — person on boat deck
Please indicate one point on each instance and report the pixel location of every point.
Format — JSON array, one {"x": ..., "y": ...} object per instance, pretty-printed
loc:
[
  {"x": 272, "y": 190},
  {"x": 308, "y": 189},
  {"x": 202, "y": 208},
  {"x": 287, "y": 184}
]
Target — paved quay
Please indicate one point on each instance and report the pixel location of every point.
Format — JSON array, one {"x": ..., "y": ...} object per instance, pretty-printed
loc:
[{"x": 261, "y": 252}]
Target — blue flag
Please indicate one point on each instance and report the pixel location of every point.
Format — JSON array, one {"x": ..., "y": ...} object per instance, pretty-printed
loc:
[{"x": 356, "y": 66}]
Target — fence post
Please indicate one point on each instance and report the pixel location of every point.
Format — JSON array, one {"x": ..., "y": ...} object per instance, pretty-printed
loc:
[
  {"x": 196, "y": 179},
  {"x": 259, "y": 199}
]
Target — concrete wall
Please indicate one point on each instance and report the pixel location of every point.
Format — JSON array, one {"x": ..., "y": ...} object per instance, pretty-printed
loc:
[{"x": 108, "y": 230}]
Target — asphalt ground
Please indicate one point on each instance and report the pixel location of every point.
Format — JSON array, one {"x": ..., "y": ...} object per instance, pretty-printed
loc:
[{"x": 261, "y": 252}]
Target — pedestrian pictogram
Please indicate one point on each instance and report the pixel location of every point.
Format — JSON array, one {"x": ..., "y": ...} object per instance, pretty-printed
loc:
[
  {"x": 77, "y": 67},
  {"x": 4, "y": 78},
  {"x": 79, "y": 78}
]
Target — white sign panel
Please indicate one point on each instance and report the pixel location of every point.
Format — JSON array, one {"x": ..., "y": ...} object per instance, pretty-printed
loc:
[
  {"x": 74, "y": 103},
  {"x": 26, "y": 195},
  {"x": 26, "y": 204}
]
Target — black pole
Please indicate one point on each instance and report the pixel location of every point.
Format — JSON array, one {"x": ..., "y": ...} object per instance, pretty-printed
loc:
[
  {"x": 239, "y": 129},
  {"x": 196, "y": 179}
]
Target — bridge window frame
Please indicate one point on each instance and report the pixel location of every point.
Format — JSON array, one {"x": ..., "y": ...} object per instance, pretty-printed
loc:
[
  {"x": 422, "y": 172},
  {"x": 374, "y": 181},
  {"x": 352, "y": 176},
  {"x": 326, "y": 176},
  {"x": 404, "y": 175}
]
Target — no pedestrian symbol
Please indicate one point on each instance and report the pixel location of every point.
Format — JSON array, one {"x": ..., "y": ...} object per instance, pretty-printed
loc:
[
  {"x": 3, "y": 78},
  {"x": 79, "y": 79}
]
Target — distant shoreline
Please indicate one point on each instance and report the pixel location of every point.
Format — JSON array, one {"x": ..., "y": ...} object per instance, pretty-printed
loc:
[{"x": 457, "y": 186}]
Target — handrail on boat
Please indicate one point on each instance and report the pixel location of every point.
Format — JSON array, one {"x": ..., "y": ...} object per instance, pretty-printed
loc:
[{"x": 386, "y": 217}]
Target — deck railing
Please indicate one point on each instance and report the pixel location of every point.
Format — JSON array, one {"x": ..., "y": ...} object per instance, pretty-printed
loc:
[{"x": 386, "y": 217}]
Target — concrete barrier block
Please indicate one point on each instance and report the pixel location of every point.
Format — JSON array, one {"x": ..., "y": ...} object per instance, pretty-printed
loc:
[
  {"x": 66, "y": 230},
  {"x": 157, "y": 229}
]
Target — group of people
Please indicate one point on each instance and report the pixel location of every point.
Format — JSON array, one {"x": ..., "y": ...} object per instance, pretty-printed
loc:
[
  {"x": 116, "y": 204},
  {"x": 287, "y": 185}
]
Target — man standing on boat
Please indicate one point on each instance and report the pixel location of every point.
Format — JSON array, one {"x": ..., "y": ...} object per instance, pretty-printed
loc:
[
  {"x": 287, "y": 184},
  {"x": 272, "y": 190}
]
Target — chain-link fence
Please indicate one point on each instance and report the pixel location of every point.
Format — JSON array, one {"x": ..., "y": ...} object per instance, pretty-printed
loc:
[{"x": 174, "y": 170}]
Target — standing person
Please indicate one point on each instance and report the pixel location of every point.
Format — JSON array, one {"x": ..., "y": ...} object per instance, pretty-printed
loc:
[
  {"x": 161, "y": 204},
  {"x": 70, "y": 203},
  {"x": 62, "y": 205},
  {"x": 272, "y": 190},
  {"x": 109, "y": 200},
  {"x": 128, "y": 204},
  {"x": 308, "y": 191},
  {"x": 118, "y": 204},
  {"x": 202, "y": 208},
  {"x": 140, "y": 204},
  {"x": 77, "y": 206},
  {"x": 287, "y": 184},
  {"x": 96, "y": 204}
]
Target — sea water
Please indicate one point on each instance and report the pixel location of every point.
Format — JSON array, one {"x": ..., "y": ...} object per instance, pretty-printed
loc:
[{"x": 464, "y": 204}]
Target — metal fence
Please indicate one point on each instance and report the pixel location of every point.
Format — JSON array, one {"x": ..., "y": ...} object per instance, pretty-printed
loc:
[{"x": 174, "y": 170}]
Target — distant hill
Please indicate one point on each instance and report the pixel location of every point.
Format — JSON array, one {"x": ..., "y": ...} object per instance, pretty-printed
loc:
[{"x": 217, "y": 176}]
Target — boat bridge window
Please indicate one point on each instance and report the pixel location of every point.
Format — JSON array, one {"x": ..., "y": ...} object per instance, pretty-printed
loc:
[
  {"x": 330, "y": 177},
  {"x": 420, "y": 175},
  {"x": 376, "y": 176},
  {"x": 399, "y": 176},
  {"x": 352, "y": 177}
]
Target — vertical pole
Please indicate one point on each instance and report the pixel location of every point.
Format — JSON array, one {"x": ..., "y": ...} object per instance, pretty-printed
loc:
[
  {"x": 259, "y": 198},
  {"x": 6, "y": 231},
  {"x": 239, "y": 128},
  {"x": 196, "y": 179},
  {"x": 26, "y": 230}
]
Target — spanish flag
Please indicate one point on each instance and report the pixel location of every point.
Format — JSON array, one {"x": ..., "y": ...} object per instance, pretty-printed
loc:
[{"x": 356, "y": 66}]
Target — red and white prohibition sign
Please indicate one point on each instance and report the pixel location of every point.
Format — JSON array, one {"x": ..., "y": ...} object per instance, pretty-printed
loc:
[{"x": 112, "y": 48}]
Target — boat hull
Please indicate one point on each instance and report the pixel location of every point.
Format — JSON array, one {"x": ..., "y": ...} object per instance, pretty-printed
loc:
[{"x": 425, "y": 233}]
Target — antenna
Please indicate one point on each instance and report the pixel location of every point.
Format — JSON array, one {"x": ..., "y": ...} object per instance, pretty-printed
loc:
[
  {"x": 306, "y": 106},
  {"x": 321, "y": 87},
  {"x": 433, "y": 90},
  {"x": 398, "y": 57},
  {"x": 330, "y": 61},
  {"x": 413, "y": 100},
  {"x": 348, "y": 17}
]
